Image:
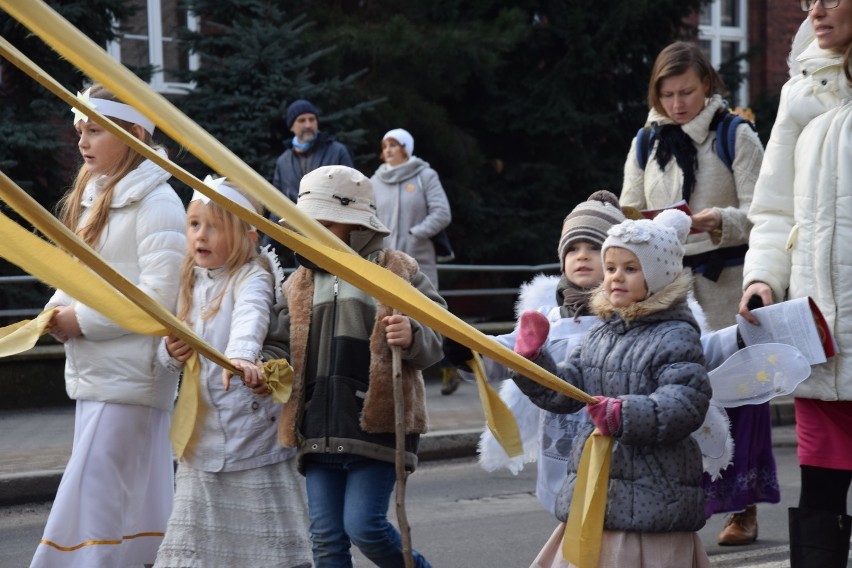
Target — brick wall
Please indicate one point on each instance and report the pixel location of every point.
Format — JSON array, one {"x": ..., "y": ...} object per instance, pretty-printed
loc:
[{"x": 772, "y": 25}]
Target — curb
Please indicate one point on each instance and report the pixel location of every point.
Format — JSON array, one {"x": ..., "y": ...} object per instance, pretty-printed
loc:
[{"x": 41, "y": 485}]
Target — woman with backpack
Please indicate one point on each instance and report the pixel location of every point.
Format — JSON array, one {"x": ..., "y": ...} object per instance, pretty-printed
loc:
[{"x": 693, "y": 149}]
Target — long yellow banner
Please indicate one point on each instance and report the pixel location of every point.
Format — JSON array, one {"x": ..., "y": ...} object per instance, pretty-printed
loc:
[{"x": 77, "y": 48}]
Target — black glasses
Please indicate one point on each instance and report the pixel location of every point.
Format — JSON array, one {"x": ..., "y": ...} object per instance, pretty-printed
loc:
[{"x": 808, "y": 5}]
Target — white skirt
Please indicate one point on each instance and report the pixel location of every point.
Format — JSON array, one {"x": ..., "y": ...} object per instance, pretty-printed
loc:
[
  {"x": 634, "y": 549},
  {"x": 115, "y": 497},
  {"x": 256, "y": 517}
]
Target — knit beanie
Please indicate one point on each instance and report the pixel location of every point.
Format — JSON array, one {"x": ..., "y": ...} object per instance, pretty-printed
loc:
[
  {"x": 405, "y": 139},
  {"x": 298, "y": 108},
  {"x": 657, "y": 243},
  {"x": 590, "y": 220}
]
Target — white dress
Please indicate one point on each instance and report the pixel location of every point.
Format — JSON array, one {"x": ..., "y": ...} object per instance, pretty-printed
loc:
[{"x": 112, "y": 505}]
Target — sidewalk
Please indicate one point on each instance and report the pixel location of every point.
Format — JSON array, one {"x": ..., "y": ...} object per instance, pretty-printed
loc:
[{"x": 35, "y": 443}]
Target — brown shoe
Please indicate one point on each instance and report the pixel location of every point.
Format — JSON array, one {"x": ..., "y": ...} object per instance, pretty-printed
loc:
[
  {"x": 450, "y": 380},
  {"x": 741, "y": 528}
]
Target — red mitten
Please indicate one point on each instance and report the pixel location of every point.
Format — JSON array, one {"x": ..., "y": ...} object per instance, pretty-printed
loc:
[
  {"x": 606, "y": 414},
  {"x": 533, "y": 328}
]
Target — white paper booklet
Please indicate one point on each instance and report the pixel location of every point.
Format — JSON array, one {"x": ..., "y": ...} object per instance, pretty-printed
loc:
[{"x": 795, "y": 322}]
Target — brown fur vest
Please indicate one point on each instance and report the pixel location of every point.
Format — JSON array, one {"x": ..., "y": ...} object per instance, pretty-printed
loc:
[{"x": 378, "y": 412}]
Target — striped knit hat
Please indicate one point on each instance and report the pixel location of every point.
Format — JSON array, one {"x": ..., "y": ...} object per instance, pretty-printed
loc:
[{"x": 590, "y": 220}]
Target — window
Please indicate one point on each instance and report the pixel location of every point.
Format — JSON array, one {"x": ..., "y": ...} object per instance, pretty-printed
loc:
[
  {"x": 722, "y": 33},
  {"x": 150, "y": 38}
]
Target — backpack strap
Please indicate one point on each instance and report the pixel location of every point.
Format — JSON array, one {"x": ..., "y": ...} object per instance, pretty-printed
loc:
[
  {"x": 644, "y": 142},
  {"x": 726, "y": 136}
]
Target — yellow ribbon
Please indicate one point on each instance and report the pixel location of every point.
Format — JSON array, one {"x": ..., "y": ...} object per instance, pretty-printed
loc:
[
  {"x": 188, "y": 409},
  {"x": 58, "y": 269},
  {"x": 21, "y": 336},
  {"x": 498, "y": 417},
  {"x": 278, "y": 376},
  {"x": 581, "y": 545},
  {"x": 78, "y": 49}
]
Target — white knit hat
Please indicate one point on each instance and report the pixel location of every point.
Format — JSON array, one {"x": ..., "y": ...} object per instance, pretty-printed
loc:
[
  {"x": 658, "y": 245},
  {"x": 339, "y": 194},
  {"x": 405, "y": 139}
]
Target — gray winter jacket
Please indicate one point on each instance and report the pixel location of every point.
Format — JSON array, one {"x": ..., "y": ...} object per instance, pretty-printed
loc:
[
  {"x": 411, "y": 202},
  {"x": 650, "y": 356}
]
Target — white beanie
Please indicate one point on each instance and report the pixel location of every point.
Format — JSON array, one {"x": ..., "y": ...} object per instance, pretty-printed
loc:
[
  {"x": 405, "y": 139},
  {"x": 658, "y": 245}
]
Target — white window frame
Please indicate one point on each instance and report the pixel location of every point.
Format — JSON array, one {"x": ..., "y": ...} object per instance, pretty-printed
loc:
[
  {"x": 717, "y": 34},
  {"x": 155, "y": 50}
]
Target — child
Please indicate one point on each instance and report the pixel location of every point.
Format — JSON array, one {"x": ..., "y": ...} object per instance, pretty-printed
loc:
[
  {"x": 239, "y": 500},
  {"x": 644, "y": 363},
  {"x": 341, "y": 412},
  {"x": 564, "y": 301},
  {"x": 113, "y": 503}
]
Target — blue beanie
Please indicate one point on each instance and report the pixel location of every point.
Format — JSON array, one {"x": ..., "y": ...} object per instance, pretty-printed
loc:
[{"x": 299, "y": 107}]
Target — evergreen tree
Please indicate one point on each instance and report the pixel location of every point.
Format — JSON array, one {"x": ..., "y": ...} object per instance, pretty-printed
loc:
[
  {"x": 37, "y": 140},
  {"x": 254, "y": 63},
  {"x": 523, "y": 110}
]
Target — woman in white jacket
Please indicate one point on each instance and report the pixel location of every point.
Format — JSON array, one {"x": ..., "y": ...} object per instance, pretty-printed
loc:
[
  {"x": 800, "y": 247},
  {"x": 116, "y": 493}
]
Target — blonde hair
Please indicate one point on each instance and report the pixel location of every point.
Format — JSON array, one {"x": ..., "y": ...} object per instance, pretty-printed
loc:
[
  {"x": 69, "y": 206},
  {"x": 242, "y": 249}
]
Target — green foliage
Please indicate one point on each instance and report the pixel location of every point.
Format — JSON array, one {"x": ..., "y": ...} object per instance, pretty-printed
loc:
[
  {"x": 254, "y": 62},
  {"x": 37, "y": 142},
  {"x": 523, "y": 110}
]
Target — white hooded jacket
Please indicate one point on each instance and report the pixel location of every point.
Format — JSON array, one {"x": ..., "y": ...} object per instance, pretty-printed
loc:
[
  {"x": 802, "y": 226},
  {"x": 144, "y": 240}
]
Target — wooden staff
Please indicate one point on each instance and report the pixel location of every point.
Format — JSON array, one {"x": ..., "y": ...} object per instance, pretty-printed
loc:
[{"x": 401, "y": 473}]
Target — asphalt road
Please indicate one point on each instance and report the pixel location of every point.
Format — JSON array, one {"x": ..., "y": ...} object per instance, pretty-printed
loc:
[{"x": 463, "y": 516}]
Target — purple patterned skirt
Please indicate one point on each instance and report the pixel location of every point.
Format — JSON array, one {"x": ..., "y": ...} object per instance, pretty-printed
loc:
[{"x": 751, "y": 478}]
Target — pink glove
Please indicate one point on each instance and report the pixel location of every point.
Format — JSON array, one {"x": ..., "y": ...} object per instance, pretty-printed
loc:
[
  {"x": 533, "y": 328},
  {"x": 606, "y": 414}
]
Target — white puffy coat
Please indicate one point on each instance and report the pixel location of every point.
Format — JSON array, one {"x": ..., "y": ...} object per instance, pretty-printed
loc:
[
  {"x": 801, "y": 209},
  {"x": 144, "y": 240}
]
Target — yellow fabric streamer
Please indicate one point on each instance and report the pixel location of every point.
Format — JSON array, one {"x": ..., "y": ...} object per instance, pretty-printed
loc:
[
  {"x": 581, "y": 545},
  {"x": 278, "y": 376},
  {"x": 96, "y": 63},
  {"x": 22, "y": 336},
  {"x": 58, "y": 269},
  {"x": 82, "y": 52},
  {"x": 78, "y": 49},
  {"x": 188, "y": 408},
  {"x": 498, "y": 417}
]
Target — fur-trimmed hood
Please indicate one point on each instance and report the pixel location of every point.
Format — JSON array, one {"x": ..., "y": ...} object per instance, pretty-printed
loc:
[{"x": 675, "y": 293}]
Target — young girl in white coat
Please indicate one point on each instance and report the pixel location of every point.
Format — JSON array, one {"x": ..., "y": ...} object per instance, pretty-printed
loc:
[
  {"x": 239, "y": 500},
  {"x": 114, "y": 500}
]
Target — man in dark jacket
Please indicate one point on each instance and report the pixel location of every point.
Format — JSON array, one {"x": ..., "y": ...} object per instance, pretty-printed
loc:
[{"x": 309, "y": 149}]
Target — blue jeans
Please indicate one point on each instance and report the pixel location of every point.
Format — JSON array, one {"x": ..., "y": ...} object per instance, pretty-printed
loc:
[{"x": 348, "y": 501}]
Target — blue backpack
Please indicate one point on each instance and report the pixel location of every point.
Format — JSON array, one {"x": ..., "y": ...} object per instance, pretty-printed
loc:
[{"x": 725, "y": 123}]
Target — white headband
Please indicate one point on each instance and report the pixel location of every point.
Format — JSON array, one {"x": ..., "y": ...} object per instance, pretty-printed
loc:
[
  {"x": 219, "y": 187},
  {"x": 112, "y": 109}
]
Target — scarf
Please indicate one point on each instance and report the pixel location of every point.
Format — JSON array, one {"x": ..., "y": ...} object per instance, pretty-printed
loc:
[
  {"x": 673, "y": 141},
  {"x": 572, "y": 300}
]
